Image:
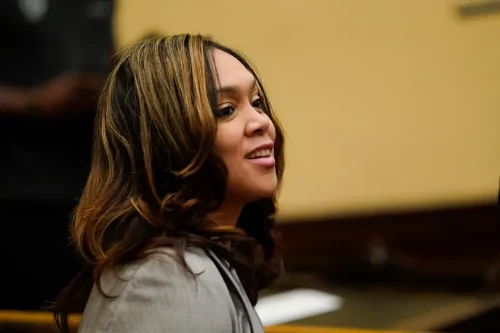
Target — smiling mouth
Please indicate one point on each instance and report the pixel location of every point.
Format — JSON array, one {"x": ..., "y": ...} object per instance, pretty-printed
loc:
[{"x": 262, "y": 153}]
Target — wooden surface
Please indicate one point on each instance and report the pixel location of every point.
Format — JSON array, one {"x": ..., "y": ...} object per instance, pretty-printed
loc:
[
  {"x": 305, "y": 329},
  {"x": 440, "y": 248},
  {"x": 42, "y": 322}
]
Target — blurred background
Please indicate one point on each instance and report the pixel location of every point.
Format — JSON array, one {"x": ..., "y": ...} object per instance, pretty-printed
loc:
[{"x": 391, "y": 110}]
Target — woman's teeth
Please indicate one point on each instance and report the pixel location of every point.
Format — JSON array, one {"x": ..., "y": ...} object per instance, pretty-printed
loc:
[{"x": 260, "y": 153}]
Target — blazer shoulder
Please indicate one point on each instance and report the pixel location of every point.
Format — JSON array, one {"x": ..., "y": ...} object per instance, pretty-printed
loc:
[
  {"x": 162, "y": 267},
  {"x": 158, "y": 285},
  {"x": 165, "y": 259},
  {"x": 163, "y": 263}
]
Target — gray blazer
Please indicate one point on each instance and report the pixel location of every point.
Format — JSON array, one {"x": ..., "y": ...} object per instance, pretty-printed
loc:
[{"x": 157, "y": 295}]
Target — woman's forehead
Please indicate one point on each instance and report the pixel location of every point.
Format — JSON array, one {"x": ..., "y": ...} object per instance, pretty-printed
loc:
[{"x": 231, "y": 72}]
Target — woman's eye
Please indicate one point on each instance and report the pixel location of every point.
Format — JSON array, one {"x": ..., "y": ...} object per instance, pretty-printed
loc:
[
  {"x": 257, "y": 103},
  {"x": 226, "y": 111}
]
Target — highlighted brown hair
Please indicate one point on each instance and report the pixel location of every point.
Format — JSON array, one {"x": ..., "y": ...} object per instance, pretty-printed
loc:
[{"x": 155, "y": 172}]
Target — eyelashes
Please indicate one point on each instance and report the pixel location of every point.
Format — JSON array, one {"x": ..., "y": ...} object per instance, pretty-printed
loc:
[
  {"x": 228, "y": 111},
  {"x": 225, "y": 112},
  {"x": 258, "y": 103}
]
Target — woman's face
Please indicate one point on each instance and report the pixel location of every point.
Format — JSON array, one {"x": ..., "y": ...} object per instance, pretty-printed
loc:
[{"x": 245, "y": 134}]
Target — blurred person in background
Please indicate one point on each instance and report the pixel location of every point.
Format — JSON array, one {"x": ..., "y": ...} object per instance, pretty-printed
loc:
[
  {"x": 55, "y": 55},
  {"x": 177, "y": 221}
]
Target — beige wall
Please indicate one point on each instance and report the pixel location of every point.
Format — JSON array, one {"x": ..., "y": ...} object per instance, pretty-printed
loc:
[{"x": 386, "y": 104}]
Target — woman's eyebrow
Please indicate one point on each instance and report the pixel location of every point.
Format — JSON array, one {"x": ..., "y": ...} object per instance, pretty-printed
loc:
[{"x": 234, "y": 88}]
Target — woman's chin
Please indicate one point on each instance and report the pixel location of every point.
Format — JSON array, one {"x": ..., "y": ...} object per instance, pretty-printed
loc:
[{"x": 265, "y": 191}]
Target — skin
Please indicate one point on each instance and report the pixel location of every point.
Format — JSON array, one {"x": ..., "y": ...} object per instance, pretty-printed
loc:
[
  {"x": 242, "y": 128},
  {"x": 61, "y": 96}
]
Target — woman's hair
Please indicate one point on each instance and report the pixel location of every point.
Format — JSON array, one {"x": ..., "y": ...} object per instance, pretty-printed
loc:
[{"x": 156, "y": 174}]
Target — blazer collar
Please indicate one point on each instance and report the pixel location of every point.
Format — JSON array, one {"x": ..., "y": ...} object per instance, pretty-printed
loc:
[{"x": 255, "y": 323}]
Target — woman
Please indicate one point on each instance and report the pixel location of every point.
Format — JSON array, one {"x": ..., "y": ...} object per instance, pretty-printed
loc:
[{"x": 177, "y": 220}]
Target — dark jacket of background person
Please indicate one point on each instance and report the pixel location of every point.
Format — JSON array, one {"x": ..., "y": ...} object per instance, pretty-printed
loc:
[{"x": 54, "y": 55}]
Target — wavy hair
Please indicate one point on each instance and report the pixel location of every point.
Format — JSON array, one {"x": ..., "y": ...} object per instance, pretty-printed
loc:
[{"x": 156, "y": 173}]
